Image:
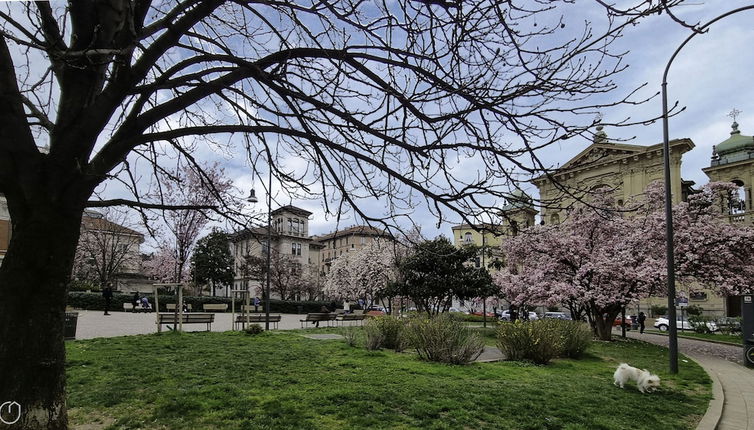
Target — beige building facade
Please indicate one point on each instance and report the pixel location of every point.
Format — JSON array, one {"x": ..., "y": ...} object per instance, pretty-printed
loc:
[{"x": 351, "y": 239}]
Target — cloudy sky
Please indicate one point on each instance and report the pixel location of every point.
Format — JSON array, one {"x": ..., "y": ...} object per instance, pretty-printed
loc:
[{"x": 710, "y": 77}]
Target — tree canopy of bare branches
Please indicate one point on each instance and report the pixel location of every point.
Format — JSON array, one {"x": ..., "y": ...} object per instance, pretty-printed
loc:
[{"x": 387, "y": 100}]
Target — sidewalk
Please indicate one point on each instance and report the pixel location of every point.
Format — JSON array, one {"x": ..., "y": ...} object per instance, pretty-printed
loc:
[{"x": 732, "y": 407}]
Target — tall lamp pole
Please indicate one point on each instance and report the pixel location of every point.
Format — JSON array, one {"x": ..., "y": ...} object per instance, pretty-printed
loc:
[
  {"x": 253, "y": 199},
  {"x": 673, "y": 332}
]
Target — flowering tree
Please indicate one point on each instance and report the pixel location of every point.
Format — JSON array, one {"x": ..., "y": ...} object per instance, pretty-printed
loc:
[
  {"x": 603, "y": 257},
  {"x": 181, "y": 228},
  {"x": 362, "y": 274}
]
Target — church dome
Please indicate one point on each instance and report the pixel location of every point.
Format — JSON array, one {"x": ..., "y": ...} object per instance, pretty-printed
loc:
[{"x": 735, "y": 143}]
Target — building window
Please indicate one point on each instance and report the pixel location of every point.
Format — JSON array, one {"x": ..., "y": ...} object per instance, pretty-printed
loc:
[
  {"x": 265, "y": 247},
  {"x": 698, "y": 296},
  {"x": 737, "y": 199},
  {"x": 295, "y": 248},
  {"x": 467, "y": 238}
]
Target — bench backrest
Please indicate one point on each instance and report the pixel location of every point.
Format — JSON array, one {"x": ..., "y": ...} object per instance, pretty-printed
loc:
[
  {"x": 171, "y": 306},
  {"x": 187, "y": 318},
  {"x": 358, "y": 312},
  {"x": 258, "y": 318},
  {"x": 215, "y": 307},
  {"x": 319, "y": 316}
]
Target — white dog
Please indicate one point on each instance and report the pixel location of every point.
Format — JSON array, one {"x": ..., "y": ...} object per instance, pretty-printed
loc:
[{"x": 645, "y": 381}]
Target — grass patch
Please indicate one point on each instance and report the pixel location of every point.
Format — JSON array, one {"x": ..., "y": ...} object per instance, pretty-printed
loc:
[
  {"x": 736, "y": 339},
  {"x": 281, "y": 380}
]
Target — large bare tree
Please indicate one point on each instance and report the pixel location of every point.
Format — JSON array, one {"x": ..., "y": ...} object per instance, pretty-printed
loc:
[{"x": 410, "y": 102}]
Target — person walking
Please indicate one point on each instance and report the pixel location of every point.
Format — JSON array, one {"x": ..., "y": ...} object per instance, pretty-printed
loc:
[
  {"x": 642, "y": 318},
  {"x": 107, "y": 293},
  {"x": 256, "y": 304}
]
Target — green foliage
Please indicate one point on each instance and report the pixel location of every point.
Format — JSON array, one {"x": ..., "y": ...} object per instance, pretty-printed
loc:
[
  {"x": 253, "y": 329},
  {"x": 350, "y": 334},
  {"x": 83, "y": 285},
  {"x": 694, "y": 310},
  {"x": 699, "y": 323},
  {"x": 212, "y": 261},
  {"x": 233, "y": 381},
  {"x": 443, "y": 339},
  {"x": 576, "y": 337},
  {"x": 388, "y": 329},
  {"x": 94, "y": 301},
  {"x": 436, "y": 271},
  {"x": 541, "y": 341},
  {"x": 729, "y": 325},
  {"x": 658, "y": 310},
  {"x": 374, "y": 336}
]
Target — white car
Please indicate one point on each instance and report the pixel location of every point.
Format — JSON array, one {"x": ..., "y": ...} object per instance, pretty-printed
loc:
[
  {"x": 663, "y": 324},
  {"x": 506, "y": 316}
]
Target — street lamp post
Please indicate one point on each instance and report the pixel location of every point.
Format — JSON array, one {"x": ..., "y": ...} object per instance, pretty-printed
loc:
[
  {"x": 253, "y": 199},
  {"x": 673, "y": 329}
]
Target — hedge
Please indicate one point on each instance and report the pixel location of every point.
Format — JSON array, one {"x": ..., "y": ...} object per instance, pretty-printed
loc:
[{"x": 95, "y": 302}]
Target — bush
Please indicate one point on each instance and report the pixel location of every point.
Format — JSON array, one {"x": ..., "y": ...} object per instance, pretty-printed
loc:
[
  {"x": 253, "y": 329},
  {"x": 729, "y": 325},
  {"x": 374, "y": 336},
  {"x": 541, "y": 341},
  {"x": 699, "y": 323},
  {"x": 576, "y": 338},
  {"x": 390, "y": 329},
  {"x": 443, "y": 339},
  {"x": 350, "y": 334},
  {"x": 658, "y": 310},
  {"x": 694, "y": 310}
]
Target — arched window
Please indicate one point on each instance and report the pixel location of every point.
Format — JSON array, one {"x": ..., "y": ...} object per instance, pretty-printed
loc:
[
  {"x": 738, "y": 201},
  {"x": 554, "y": 219},
  {"x": 467, "y": 238}
]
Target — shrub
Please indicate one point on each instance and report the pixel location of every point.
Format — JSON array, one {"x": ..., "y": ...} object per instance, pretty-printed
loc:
[
  {"x": 576, "y": 337},
  {"x": 253, "y": 329},
  {"x": 699, "y": 323},
  {"x": 443, "y": 339},
  {"x": 350, "y": 334},
  {"x": 541, "y": 341},
  {"x": 729, "y": 325},
  {"x": 694, "y": 310},
  {"x": 391, "y": 330},
  {"x": 658, "y": 310},
  {"x": 374, "y": 336}
]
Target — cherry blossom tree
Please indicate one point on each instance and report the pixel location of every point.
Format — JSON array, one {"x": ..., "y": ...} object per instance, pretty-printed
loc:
[
  {"x": 604, "y": 257},
  {"x": 362, "y": 274}
]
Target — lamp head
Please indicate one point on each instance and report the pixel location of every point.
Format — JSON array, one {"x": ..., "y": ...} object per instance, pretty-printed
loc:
[{"x": 252, "y": 197}]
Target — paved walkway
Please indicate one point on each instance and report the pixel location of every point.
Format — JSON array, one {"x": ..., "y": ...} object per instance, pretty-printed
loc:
[
  {"x": 93, "y": 324},
  {"x": 736, "y": 382}
]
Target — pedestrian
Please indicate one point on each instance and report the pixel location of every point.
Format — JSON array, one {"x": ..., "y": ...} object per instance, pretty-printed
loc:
[
  {"x": 323, "y": 310},
  {"x": 256, "y": 304},
  {"x": 346, "y": 306},
  {"x": 107, "y": 293},
  {"x": 135, "y": 301},
  {"x": 642, "y": 317}
]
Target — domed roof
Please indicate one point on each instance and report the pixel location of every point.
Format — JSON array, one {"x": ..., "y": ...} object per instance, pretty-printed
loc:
[
  {"x": 735, "y": 143},
  {"x": 518, "y": 199}
]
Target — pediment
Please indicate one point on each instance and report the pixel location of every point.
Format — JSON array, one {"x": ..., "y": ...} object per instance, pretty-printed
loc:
[{"x": 598, "y": 154}]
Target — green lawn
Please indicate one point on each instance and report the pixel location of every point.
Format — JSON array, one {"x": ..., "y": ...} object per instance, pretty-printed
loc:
[
  {"x": 280, "y": 380},
  {"x": 729, "y": 338}
]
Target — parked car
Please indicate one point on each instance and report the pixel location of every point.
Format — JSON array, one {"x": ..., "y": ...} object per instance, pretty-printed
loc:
[
  {"x": 629, "y": 322},
  {"x": 506, "y": 316},
  {"x": 556, "y": 315},
  {"x": 663, "y": 324}
]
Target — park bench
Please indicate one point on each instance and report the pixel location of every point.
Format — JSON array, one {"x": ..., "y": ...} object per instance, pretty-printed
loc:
[
  {"x": 350, "y": 317},
  {"x": 215, "y": 307},
  {"x": 318, "y": 317},
  {"x": 164, "y": 318},
  {"x": 258, "y": 318},
  {"x": 129, "y": 307},
  {"x": 171, "y": 307}
]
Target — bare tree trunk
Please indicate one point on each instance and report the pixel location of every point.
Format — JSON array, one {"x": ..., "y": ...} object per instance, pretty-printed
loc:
[{"x": 33, "y": 281}]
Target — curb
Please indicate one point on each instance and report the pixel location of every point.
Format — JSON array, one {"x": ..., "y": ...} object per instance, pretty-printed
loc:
[{"x": 714, "y": 413}]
